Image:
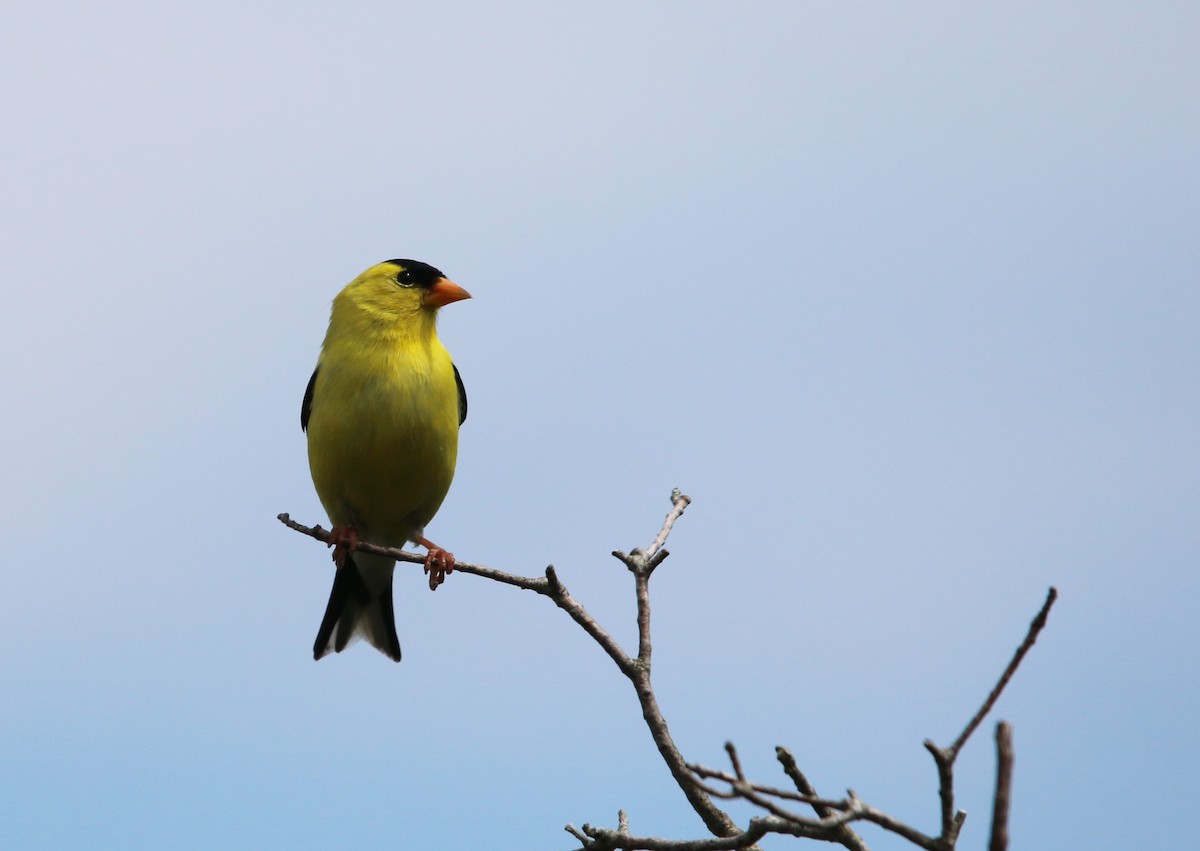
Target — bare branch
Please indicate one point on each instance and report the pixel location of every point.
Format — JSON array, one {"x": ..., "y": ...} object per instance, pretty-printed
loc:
[
  {"x": 1035, "y": 627},
  {"x": 833, "y": 816},
  {"x": 548, "y": 586},
  {"x": 836, "y": 815},
  {"x": 641, "y": 563},
  {"x": 715, "y": 819},
  {"x": 574, "y": 831},
  {"x": 849, "y": 838},
  {"x": 944, "y": 757},
  {"x": 796, "y": 775},
  {"x": 563, "y": 599},
  {"x": 1000, "y": 804},
  {"x": 679, "y": 504},
  {"x": 736, "y": 782},
  {"x": 529, "y": 584},
  {"x": 735, "y": 761},
  {"x": 755, "y": 793},
  {"x": 602, "y": 839},
  {"x": 829, "y": 829},
  {"x": 641, "y": 580},
  {"x": 951, "y": 820}
]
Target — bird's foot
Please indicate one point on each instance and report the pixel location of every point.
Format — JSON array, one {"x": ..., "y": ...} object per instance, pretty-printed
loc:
[
  {"x": 344, "y": 540},
  {"x": 439, "y": 563}
]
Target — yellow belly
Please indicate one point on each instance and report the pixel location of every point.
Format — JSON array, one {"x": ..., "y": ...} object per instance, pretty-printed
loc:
[{"x": 383, "y": 439}]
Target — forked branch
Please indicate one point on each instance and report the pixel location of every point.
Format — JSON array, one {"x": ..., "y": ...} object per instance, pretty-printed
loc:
[{"x": 832, "y": 817}]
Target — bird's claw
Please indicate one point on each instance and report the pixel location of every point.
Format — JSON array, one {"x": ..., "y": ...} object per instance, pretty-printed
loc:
[
  {"x": 439, "y": 564},
  {"x": 344, "y": 540}
]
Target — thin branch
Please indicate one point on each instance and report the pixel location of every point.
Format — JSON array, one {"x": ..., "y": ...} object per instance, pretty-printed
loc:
[
  {"x": 797, "y": 776},
  {"x": 944, "y": 757},
  {"x": 641, "y": 580},
  {"x": 538, "y": 585},
  {"x": 951, "y": 820},
  {"x": 715, "y": 819},
  {"x": 736, "y": 782},
  {"x": 548, "y": 586},
  {"x": 833, "y": 824},
  {"x": 603, "y": 839},
  {"x": 1035, "y": 627},
  {"x": 679, "y": 504},
  {"x": 829, "y": 829},
  {"x": 641, "y": 563},
  {"x": 757, "y": 795},
  {"x": 563, "y": 599},
  {"x": 574, "y": 831},
  {"x": 735, "y": 761},
  {"x": 834, "y": 815},
  {"x": 1004, "y": 772},
  {"x": 849, "y": 838}
]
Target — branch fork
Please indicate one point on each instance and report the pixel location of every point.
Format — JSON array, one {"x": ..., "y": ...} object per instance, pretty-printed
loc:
[{"x": 833, "y": 817}]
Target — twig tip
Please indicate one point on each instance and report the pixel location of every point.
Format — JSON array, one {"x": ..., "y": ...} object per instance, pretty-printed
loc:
[{"x": 571, "y": 829}]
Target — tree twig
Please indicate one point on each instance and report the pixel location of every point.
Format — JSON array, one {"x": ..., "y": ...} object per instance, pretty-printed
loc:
[
  {"x": 836, "y": 815},
  {"x": 539, "y": 585},
  {"x": 764, "y": 796},
  {"x": 1035, "y": 627},
  {"x": 1003, "y": 798},
  {"x": 642, "y": 564},
  {"x": 679, "y": 504},
  {"x": 952, "y": 820},
  {"x": 833, "y": 816}
]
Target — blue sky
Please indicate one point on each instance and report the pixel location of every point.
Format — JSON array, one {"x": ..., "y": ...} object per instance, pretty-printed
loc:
[{"x": 904, "y": 296}]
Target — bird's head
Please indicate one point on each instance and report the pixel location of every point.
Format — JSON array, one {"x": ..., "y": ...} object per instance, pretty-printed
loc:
[{"x": 400, "y": 291}]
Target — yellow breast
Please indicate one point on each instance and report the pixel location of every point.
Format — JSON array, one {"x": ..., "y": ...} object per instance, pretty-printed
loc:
[{"x": 383, "y": 432}]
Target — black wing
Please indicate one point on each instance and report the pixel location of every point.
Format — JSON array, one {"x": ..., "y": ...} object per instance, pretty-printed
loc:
[
  {"x": 462, "y": 396},
  {"x": 306, "y": 405}
]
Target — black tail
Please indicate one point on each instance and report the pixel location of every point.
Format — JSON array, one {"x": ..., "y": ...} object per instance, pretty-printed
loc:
[{"x": 360, "y": 606}]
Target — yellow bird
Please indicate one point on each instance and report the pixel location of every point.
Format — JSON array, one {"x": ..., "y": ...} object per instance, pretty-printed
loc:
[{"x": 382, "y": 412}]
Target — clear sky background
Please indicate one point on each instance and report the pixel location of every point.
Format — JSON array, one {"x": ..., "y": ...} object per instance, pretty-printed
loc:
[{"x": 905, "y": 296}]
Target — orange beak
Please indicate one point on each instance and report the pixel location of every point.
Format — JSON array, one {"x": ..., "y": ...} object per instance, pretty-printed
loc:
[{"x": 444, "y": 292}]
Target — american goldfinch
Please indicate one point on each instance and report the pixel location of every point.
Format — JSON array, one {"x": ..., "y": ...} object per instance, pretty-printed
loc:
[{"x": 382, "y": 412}]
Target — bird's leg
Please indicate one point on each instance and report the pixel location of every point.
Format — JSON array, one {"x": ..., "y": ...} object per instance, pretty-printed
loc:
[
  {"x": 439, "y": 563},
  {"x": 344, "y": 540}
]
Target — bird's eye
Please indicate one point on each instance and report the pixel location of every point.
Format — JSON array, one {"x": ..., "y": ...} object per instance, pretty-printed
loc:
[{"x": 405, "y": 278}]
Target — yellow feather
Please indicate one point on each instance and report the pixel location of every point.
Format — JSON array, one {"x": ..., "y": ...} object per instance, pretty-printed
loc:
[
  {"x": 383, "y": 425},
  {"x": 382, "y": 416}
]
